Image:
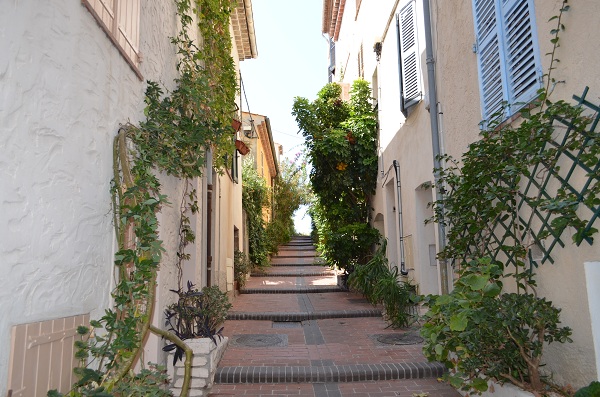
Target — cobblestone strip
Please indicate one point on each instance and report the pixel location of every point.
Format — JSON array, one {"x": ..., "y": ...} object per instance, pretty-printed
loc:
[
  {"x": 328, "y": 374},
  {"x": 303, "y": 316}
]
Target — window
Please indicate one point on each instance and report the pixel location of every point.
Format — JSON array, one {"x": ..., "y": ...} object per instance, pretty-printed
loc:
[
  {"x": 331, "y": 68},
  {"x": 408, "y": 56},
  {"x": 361, "y": 63},
  {"x": 120, "y": 21},
  {"x": 508, "y": 59}
]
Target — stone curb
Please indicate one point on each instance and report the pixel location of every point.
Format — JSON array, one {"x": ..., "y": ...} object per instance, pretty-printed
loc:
[
  {"x": 307, "y": 290},
  {"x": 299, "y": 264},
  {"x": 294, "y": 274},
  {"x": 333, "y": 373},
  {"x": 303, "y": 316}
]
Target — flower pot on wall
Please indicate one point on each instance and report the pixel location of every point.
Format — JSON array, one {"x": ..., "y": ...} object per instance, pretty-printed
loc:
[
  {"x": 242, "y": 147},
  {"x": 342, "y": 281},
  {"x": 206, "y": 358},
  {"x": 236, "y": 125}
]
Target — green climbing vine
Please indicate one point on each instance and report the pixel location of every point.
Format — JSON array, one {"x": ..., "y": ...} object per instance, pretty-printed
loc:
[
  {"x": 180, "y": 127},
  {"x": 255, "y": 197}
]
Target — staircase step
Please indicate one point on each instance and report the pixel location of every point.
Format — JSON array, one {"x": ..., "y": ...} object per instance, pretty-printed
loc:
[
  {"x": 303, "y": 316},
  {"x": 299, "y": 273},
  {"x": 332, "y": 373},
  {"x": 298, "y": 290},
  {"x": 319, "y": 263}
]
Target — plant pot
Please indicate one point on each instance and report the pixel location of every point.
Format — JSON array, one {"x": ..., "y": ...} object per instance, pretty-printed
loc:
[
  {"x": 241, "y": 147},
  {"x": 206, "y": 358},
  {"x": 236, "y": 124},
  {"x": 342, "y": 281}
]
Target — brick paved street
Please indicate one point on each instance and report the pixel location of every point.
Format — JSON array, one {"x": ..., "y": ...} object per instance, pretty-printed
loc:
[{"x": 293, "y": 332}]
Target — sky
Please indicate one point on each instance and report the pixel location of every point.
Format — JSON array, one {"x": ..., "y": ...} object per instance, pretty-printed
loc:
[{"x": 292, "y": 61}]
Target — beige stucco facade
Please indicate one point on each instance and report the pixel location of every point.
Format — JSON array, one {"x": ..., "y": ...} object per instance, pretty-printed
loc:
[
  {"x": 400, "y": 205},
  {"x": 65, "y": 90},
  {"x": 258, "y": 137}
]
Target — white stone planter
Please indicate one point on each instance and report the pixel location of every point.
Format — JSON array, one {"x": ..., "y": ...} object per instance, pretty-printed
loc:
[{"x": 204, "y": 364}]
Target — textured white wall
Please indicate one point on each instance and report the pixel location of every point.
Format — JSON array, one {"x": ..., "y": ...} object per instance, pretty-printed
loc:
[{"x": 64, "y": 90}]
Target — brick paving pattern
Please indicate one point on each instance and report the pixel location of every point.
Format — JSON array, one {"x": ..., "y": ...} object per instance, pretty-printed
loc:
[{"x": 293, "y": 332}]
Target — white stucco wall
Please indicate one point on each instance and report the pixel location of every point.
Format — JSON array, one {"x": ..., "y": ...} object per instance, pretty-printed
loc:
[
  {"x": 405, "y": 139},
  {"x": 64, "y": 90}
]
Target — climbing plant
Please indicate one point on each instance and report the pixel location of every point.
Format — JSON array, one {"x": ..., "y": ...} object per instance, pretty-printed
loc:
[
  {"x": 255, "y": 198},
  {"x": 180, "y": 126},
  {"x": 341, "y": 142}
]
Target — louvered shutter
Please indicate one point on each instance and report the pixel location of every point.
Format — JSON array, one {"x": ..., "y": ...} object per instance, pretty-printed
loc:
[
  {"x": 409, "y": 56},
  {"x": 522, "y": 60},
  {"x": 128, "y": 27},
  {"x": 105, "y": 9},
  {"x": 508, "y": 60},
  {"x": 491, "y": 80}
]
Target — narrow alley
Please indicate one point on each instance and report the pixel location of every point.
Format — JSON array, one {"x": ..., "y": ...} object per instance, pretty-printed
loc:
[{"x": 294, "y": 332}]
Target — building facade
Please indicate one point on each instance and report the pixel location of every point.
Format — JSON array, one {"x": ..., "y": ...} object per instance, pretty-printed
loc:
[
  {"x": 438, "y": 70},
  {"x": 72, "y": 73}
]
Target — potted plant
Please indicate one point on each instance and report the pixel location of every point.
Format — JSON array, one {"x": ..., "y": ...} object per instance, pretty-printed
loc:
[
  {"x": 241, "y": 268},
  {"x": 196, "y": 319}
]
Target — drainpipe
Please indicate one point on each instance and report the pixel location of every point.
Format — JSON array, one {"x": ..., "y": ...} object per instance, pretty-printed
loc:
[
  {"x": 435, "y": 137},
  {"x": 403, "y": 270}
]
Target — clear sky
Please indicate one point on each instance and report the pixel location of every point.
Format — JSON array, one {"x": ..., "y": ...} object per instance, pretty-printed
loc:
[{"x": 292, "y": 61}]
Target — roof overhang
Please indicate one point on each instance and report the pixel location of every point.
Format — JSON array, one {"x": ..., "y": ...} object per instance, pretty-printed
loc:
[
  {"x": 242, "y": 23},
  {"x": 333, "y": 12}
]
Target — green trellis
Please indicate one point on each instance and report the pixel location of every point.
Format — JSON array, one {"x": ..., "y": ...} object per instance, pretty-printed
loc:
[
  {"x": 566, "y": 174},
  {"x": 570, "y": 166}
]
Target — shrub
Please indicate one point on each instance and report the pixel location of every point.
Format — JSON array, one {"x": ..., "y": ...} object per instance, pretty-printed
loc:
[
  {"x": 241, "y": 267},
  {"x": 379, "y": 284},
  {"x": 481, "y": 334}
]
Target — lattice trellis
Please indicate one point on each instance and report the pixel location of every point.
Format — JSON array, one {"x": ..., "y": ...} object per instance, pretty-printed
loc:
[{"x": 572, "y": 167}]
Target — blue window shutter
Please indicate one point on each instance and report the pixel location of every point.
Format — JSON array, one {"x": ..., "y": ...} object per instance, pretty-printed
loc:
[
  {"x": 409, "y": 55},
  {"x": 508, "y": 60},
  {"x": 522, "y": 59},
  {"x": 491, "y": 81}
]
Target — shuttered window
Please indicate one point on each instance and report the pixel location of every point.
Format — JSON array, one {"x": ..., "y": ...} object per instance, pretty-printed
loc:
[
  {"x": 120, "y": 19},
  {"x": 410, "y": 81},
  {"x": 508, "y": 55}
]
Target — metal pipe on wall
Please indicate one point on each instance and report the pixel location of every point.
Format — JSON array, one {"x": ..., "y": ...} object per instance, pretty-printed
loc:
[
  {"x": 403, "y": 270},
  {"x": 435, "y": 137}
]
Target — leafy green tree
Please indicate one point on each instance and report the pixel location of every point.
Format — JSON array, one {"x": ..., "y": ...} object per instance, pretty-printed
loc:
[
  {"x": 341, "y": 141},
  {"x": 291, "y": 190}
]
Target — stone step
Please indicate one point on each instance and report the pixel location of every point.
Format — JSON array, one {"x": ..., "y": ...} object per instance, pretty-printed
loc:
[
  {"x": 295, "y": 254},
  {"x": 331, "y": 373},
  {"x": 297, "y": 273},
  {"x": 303, "y": 316},
  {"x": 297, "y": 263},
  {"x": 297, "y": 290}
]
